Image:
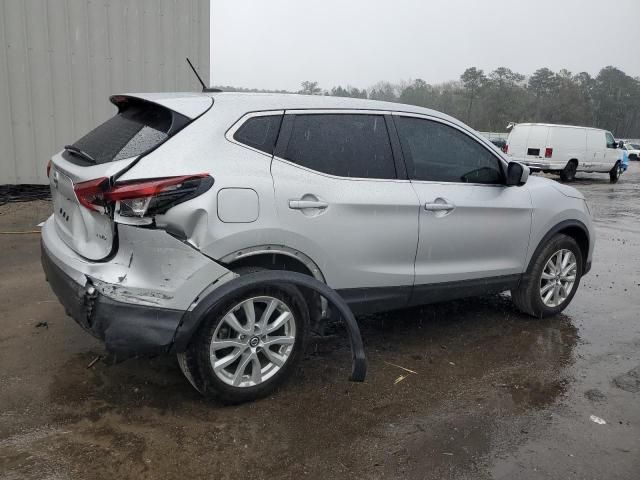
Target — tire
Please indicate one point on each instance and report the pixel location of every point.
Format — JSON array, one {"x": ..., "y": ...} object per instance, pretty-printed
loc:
[
  {"x": 615, "y": 172},
  {"x": 251, "y": 373},
  {"x": 528, "y": 297},
  {"x": 568, "y": 174}
]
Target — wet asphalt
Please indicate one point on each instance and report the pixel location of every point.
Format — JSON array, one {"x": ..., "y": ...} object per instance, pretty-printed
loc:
[{"x": 493, "y": 393}]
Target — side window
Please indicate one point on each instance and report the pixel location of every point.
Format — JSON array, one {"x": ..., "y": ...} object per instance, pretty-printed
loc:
[
  {"x": 346, "y": 145},
  {"x": 440, "y": 153},
  {"x": 611, "y": 142},
  {"x": 260, "y": 132}
]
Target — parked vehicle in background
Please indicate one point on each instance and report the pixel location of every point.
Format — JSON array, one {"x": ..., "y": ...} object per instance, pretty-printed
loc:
[
  {"x": 390, "y": 205},
  {"x": 499, "y": 143},
  {"x": 564, "y": 149},
  {"x": 633, "y": 150}
]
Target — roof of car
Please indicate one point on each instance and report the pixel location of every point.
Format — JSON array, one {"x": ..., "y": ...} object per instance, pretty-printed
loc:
[
  {"x": 289, "y": 101},
  {"x": 293, "y": 101}
]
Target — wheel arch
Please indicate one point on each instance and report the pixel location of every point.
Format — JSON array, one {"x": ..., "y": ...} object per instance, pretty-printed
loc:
[
  {"x": 280, "y": 257},
  {"x": 274, "y": 257},
  {"x": 572, "y": 228}
]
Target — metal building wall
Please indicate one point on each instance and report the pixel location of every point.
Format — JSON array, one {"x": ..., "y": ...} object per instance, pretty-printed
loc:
[{"x": 61, "y": 59}]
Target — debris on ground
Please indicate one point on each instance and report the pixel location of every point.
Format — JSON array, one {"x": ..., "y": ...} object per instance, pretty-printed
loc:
[
  {"x": 401, "y": 377},
  {"x": 403, "y": 368},
  {"x": 598, "y": 420},
  {"x": 94, "y": 361},
  {"x": 42, "y": 324},
  {"x": 595, "y": 395},
  {"x": 630, "y": 381}
]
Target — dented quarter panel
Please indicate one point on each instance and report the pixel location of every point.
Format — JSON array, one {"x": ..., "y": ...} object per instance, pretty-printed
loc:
[{"x": 150, "y": 268}]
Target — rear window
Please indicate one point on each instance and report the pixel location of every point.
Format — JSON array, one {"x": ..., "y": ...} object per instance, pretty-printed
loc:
[
  {"x": 260, "y": 132},
  {"x": 138, "y": 127}
]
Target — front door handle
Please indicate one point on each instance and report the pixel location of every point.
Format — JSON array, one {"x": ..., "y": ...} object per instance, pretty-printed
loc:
[
  {"x": 302, "y": 204},
  {"x": 439, "y": 207}
]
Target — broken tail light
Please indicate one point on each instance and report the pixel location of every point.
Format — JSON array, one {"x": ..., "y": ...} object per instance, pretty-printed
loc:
[
  {"x": 548, "y": 152},
  {"x": 142, "y": 198}
]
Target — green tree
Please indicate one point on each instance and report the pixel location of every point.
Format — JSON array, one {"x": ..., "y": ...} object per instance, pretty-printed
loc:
[
  {"x": 310, "y": 88},
  {"x": 383, "y": 91},
  {"x": 473, "y": 80}
]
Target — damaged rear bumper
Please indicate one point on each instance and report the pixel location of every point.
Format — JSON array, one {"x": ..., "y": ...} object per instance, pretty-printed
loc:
[
  {"x": 135, "y": 300},
  {"x": 123, "y": 327}
]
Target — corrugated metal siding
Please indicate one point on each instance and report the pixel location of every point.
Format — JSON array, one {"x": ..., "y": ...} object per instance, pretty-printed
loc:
[{"x": 60, "y": 60}]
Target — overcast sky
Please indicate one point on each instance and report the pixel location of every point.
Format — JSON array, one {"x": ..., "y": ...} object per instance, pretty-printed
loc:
[{"x": 276, "y": 44}]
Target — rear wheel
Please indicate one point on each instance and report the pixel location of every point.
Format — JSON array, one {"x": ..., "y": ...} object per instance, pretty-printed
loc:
[
  {"x": 553, "y": 280},
  {"x": 251, "y": 345},
  {"x": 568, "y": 174},
  {"x": 615, "y": 172}
]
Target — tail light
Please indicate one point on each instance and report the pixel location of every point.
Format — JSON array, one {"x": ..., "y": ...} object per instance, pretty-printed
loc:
[
  {"x": 140, "y": 198},
  {"x": 505, "y": 148},
  {"x": 48, "y": 168},
  {"x": 548, "y": 152}
]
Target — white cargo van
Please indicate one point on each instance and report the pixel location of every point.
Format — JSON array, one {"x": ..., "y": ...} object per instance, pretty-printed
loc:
[{"x": 564, "y": 149}]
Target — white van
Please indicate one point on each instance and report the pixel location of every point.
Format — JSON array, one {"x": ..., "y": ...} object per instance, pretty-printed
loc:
[{"x": 564, "y": 149}]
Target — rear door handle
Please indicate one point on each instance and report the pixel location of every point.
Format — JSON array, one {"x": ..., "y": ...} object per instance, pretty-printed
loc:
[
  {"x": 302, "y": 204},
  {"x": 438, "y": 207}
]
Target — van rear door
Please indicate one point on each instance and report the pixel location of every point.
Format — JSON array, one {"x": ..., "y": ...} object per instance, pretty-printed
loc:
[
  {"x": 536, "y": 142},
  {"x": 85, "y": 167}
]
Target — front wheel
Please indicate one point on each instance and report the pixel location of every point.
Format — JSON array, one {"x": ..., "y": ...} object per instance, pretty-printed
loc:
[
  {"x": 251, "y": 345},
  {"x": 553, "y": 281},
  {"x": 615, "y": 172}
]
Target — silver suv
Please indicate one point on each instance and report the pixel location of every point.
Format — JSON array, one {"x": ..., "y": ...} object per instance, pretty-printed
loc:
[{"x": 390, "y": 205}]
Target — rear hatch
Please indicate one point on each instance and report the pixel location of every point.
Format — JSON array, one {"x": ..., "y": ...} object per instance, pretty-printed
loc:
[{"x": 143, "y": 123}]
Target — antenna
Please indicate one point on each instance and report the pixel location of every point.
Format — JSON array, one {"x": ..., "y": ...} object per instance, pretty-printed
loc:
[{"x": 204, "y": 87}]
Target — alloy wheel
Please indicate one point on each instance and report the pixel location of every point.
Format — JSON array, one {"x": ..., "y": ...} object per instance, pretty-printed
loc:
[
  {"x": 558, "y": 278},
  {"x": 253, "y": 341}
]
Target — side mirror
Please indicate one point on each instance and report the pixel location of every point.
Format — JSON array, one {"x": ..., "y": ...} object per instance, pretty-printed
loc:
[
  {"x": 517, "y": 174},
  {"x": 620, "y": 144}
]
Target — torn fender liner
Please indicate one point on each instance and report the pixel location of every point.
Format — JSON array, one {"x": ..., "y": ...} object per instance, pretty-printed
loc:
[
  {"x": 124, "y": 327},
  {"x": 245, "y": 283}
]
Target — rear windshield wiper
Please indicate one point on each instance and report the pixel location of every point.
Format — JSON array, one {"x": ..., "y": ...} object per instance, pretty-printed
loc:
[{"x": 80, "y": 153}]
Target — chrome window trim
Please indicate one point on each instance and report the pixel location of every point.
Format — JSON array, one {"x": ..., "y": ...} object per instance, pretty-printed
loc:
[
  {"x": 329, "y": 111},
  {"x": 337, "y": 177}
]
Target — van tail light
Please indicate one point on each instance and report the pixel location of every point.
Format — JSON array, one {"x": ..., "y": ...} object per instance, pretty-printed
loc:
[
  {"x": 48, "y": 168},
  {"x": 548, "y": 152},
  {"x": 505, "y": 148},
  {"x": 142, "y": 198}
]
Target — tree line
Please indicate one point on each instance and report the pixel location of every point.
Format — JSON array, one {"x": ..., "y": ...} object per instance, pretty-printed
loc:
[{"x": 489, "y": 101}]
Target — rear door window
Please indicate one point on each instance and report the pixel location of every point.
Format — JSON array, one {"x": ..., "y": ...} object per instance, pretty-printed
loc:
[
  {"x": 138, "y": 127},
  {"x": 440, "y": 153},
  {"x": 260, "y": 132},
  {"x": 345, "y": 145}
]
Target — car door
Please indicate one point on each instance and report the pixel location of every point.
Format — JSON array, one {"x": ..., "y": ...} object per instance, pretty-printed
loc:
[
  {"x": 340, "y": 201},
  {"x": 473, "y": 230},
  {"x": 596, "y": 150},
  {"x": 612, "y": 153}
]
